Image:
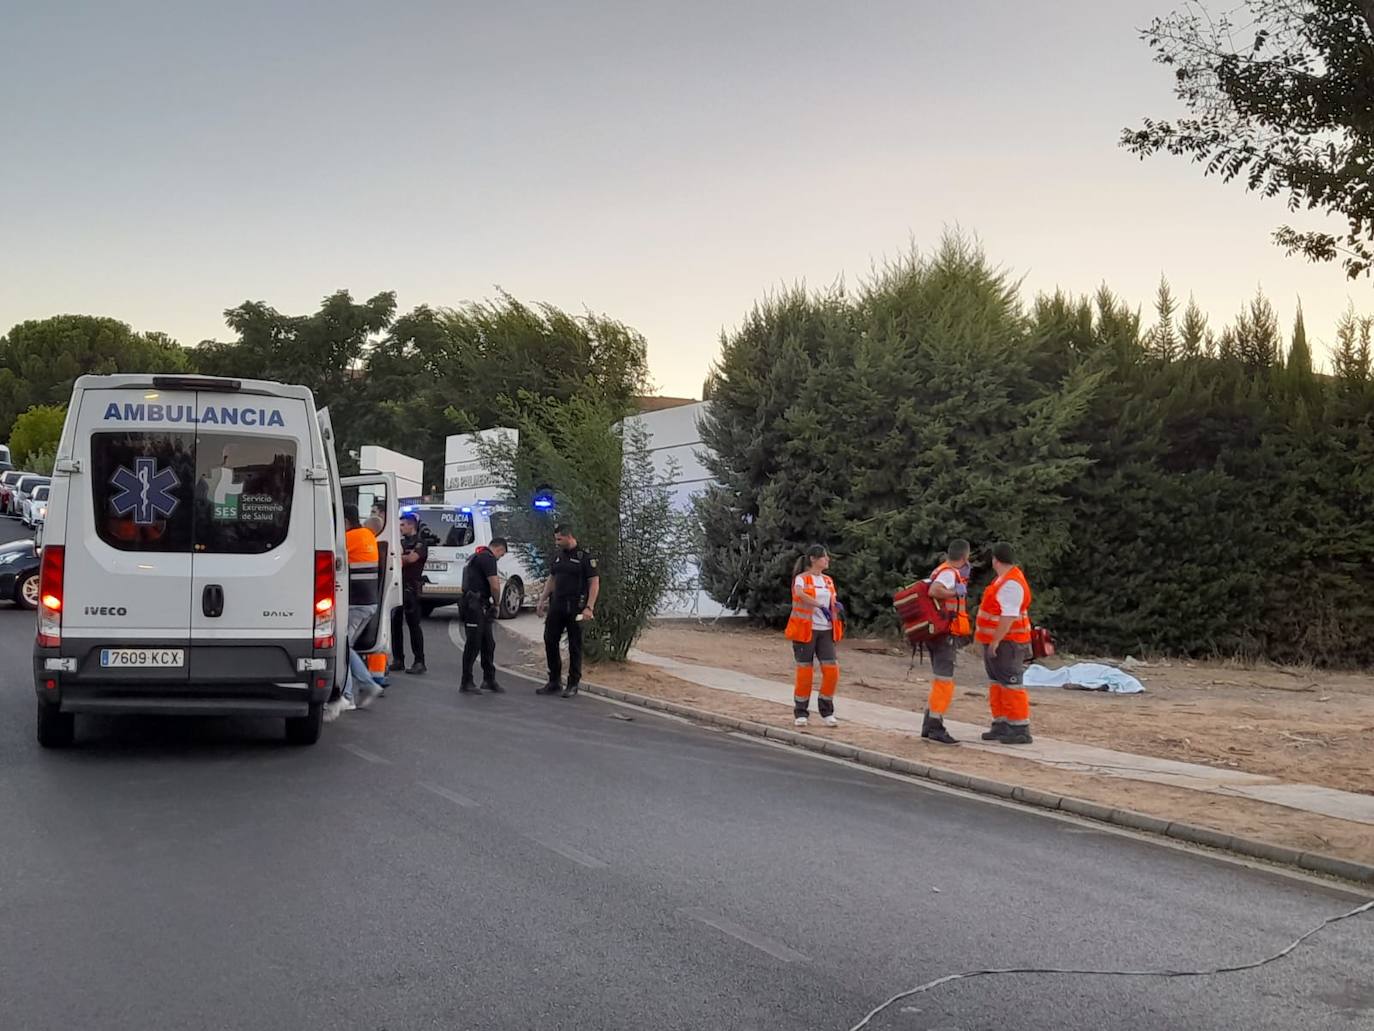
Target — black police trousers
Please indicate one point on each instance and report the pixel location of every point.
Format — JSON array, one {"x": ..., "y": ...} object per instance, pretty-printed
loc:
[
  {"x": 479, "y": 621},
  {"x": 562, "y": 618},
  {"x": 410, "y": 613}
]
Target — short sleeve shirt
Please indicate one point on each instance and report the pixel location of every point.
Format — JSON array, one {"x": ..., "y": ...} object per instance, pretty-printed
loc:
[
  {"x": 413, "y": 572},
  {"x": 1011, "y": 598},
  {"x": 477, "y": 572},
  {"x": 947, "y": 578},
  {"x": 820, "y": 616},
  {"x": 572, "y": 570}
]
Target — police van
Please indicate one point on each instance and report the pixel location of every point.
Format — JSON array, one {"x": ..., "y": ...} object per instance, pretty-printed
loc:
[
  {"x": 193, "y": 558},
  {"x": 452, "y": 533}
]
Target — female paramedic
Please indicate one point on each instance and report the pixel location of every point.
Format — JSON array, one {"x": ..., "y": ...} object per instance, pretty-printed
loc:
[{"x": 815, "y": 627}]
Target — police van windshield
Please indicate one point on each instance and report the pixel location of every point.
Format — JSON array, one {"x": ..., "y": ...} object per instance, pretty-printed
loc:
[{"x": 443, "y": 526}]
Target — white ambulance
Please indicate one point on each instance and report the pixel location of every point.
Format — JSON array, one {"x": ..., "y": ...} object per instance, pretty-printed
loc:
[{"x": 193, "y": 558}]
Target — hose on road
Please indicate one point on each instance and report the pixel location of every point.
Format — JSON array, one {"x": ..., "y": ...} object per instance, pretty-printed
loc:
[{"x": 1256, "y": 964}]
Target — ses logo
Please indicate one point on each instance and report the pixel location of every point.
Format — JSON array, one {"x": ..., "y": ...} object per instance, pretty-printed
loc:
[{"x": 210, "y": 415}]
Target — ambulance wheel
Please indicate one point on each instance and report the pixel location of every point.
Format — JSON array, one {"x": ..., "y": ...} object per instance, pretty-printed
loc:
[
  {"x": 512, "y": 600},
  {"x": 56, "y": 729},
  {"x": 305, "y": 730}
]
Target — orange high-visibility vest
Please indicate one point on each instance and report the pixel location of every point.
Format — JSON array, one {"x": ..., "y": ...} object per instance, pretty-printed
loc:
[
  {"x": 990, "y": 612},
  {"x": 799, "y": 628},
  {"x": 362, "y": 549},
  {"x": 955, "y": 608}
]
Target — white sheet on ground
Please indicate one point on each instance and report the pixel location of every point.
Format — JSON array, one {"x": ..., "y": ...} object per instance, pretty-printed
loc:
[{"x": 1093, "y": 676}]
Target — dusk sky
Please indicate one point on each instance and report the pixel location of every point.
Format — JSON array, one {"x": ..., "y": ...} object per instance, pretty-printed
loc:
[{"x": 666, "y": 164}]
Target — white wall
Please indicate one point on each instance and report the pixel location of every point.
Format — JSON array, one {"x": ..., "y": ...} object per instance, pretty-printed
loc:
[
  {"x": 410, "y": 472},
  {"x": 675, "y": 440},
  {"x": 466, "y": 479}
]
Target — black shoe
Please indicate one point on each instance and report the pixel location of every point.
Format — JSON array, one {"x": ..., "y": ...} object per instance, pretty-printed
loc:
[
  {"x": 418, "y": 668},
  {"x": 1018, "y": 736},
  {"x": 493, "y": 687},
  {"x": 552, "y": 687},
  {"x": 467, "y": 687},
  {"x": 998, "y": 730},
  {"x": 570, "y": 691},
  {"x": 933, "y": 729}
]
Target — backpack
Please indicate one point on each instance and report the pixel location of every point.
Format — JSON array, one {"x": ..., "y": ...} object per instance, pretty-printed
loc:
[
  {"x": 922, "y": 618},
  {"x": 1042, "y": 643}
]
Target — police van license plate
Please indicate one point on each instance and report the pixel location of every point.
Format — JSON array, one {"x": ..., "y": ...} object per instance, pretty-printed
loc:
[
  {"x": 436, "y": 567},
  {"x": 141, "y": 658}
]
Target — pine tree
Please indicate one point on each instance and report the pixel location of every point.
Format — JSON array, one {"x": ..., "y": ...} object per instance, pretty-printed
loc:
[
  {"x": 1195, "y": 338},
  {"x": 911, "y": 414},
  {"x": 1163, "y": 341},
  {"x": 1351, "y": 359},
  {"x": 1257, "y": 334}
]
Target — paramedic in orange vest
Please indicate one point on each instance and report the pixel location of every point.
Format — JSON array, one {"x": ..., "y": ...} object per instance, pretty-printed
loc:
[
  {"x": 364, "y": 561},
  {"x": 815, "y": 626},
  {"x": 949, "y": 589},
  {"x": 1004, "y": 631}
]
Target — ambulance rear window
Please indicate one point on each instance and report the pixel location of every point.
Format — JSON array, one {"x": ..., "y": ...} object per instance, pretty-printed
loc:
[
  {"x": 244, "y": 487},
  {"x": 141, "y": 487}
]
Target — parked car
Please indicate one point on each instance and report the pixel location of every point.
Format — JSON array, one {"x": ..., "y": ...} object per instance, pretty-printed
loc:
[
  {"x": 23, "y": 490},
  {"x": 7, "y": 481},
  {"x": 19, "y": 568},
  {"x": 34, "y": 508},
  {"x": 6, "y": 462}
]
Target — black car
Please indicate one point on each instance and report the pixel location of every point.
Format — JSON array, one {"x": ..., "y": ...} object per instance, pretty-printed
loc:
[{"x": 19, "y": 574}]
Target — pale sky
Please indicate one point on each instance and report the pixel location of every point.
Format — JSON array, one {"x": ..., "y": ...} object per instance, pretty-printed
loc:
[{"x": 664, "y": 163}]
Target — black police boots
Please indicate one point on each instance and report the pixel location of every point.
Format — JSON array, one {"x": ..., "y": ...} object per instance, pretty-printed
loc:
[
  {"x": 570, "y": 691},
  {"x": 552, "y": 687},
  {"x": 467, "y": 687}
]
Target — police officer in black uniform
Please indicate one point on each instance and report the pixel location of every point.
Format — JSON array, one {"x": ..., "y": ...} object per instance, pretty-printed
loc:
[
  {"x": 414, "y": 553},
  {"x": 481, "y": 591},
  {"x": 568, "y": 601}
]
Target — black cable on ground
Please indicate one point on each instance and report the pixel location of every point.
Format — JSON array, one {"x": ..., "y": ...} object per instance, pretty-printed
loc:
[{"x": 948, "y": 978}]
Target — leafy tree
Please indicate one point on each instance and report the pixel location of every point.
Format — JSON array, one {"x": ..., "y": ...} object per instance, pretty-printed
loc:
[
  {"x": 1279, "y": 93},
  {"x": 40, "y": 359},
  {"x": 34, "y": 438},
  {"x": 607, "y": 488},
  {"x": 323, "y": 351},
  {"x": 441, "y": 371}
]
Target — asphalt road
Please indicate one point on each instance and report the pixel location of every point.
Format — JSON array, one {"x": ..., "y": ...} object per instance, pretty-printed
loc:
[{"x": 519, "y": 862}]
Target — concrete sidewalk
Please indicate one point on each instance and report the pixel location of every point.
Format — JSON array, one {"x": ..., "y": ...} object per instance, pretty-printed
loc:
[{"x": 1063, "y": 755}]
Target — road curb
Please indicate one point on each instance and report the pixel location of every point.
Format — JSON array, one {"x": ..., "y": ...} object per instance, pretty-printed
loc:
[{"x": 1314, "y": 862}]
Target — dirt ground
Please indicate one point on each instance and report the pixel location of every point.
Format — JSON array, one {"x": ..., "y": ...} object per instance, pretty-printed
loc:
[
  {"x": 1304, "y": 727},
  {"x": 1301, "y": 726}
]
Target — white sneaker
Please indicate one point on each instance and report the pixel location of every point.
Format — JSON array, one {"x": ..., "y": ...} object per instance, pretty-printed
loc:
[
  {"x": 333, "y": 709},
  {"x": 830, "y": 721},
  {"x": 367, "y": 694},
  {"x": 349, "y": 705},
  {"x": 801, "y": 721}
]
